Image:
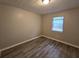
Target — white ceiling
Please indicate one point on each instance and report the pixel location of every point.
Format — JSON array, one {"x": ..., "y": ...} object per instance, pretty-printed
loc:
[{"x": 37, "y": 6}]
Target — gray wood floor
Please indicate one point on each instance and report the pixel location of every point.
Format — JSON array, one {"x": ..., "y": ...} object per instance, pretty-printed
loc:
[{"x": 44, "y": 48}]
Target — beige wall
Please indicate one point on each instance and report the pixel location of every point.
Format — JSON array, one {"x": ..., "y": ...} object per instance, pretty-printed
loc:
[
  {"x": 17, "y": 25},
  {"x": 71, "y": 26}
]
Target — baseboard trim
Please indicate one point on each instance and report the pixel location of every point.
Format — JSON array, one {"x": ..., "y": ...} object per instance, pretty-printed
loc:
[
  {"x": 18, "y": 44},
  {"x": 61, "y": 41},
  {"x": 1, "y": 50}
]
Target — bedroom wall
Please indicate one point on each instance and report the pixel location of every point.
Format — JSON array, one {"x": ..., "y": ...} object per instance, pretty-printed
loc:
[
  {"x": 17, "y": 25},
  {"x": 71, "y": 26}
]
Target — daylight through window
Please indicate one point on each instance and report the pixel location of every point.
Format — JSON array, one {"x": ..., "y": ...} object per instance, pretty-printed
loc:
[{"x": 57, "y": 24}]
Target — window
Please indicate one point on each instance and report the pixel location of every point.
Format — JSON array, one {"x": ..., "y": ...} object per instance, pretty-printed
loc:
[{"x": 57, "y": 24}]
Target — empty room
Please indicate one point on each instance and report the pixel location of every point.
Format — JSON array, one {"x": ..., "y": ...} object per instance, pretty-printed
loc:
[{"x": 39, "y": 28}]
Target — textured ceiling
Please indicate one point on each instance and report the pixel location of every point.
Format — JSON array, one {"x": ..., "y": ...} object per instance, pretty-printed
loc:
[{"x": 37, "y": 6}]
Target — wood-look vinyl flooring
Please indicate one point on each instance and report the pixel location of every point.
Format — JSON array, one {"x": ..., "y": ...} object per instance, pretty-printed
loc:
[{"x": 44, "y": 48}]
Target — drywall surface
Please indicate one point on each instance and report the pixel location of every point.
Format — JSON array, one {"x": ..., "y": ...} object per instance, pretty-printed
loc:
[
  {"x": 17, "y": 25},
  {"x": 71, "y": 26}
]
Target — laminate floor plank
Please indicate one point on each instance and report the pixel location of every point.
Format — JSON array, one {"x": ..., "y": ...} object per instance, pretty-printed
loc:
[{"x": 44, "y": 48}]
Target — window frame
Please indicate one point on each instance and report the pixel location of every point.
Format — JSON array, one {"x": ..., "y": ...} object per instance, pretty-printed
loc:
[{"x": 63, "y": 24}]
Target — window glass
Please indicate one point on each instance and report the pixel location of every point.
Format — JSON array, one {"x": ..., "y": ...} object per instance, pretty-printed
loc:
[{"x": 57, "y": 24}]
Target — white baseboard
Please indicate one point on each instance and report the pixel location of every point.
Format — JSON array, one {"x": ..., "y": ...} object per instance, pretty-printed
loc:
[
  {"x": 61, "y": 41},
  {"x": 34, "y": 39},
  {"x": 18, "y": 44}
]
